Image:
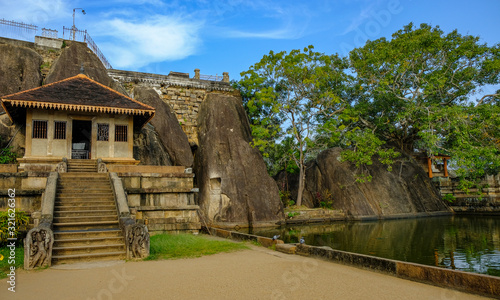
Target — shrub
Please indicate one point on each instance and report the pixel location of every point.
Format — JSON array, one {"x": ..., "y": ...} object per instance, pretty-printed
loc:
[
  {"x": 449, "y": 197},
  {"x": 20, "y": 228},
  {"x": 7, "y": 156}
]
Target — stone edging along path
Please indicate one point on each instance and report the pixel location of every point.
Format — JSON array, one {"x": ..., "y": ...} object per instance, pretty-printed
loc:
[{"x": 485, "y": 285}]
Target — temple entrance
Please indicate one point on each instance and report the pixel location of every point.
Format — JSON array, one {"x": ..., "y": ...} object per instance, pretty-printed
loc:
[{"x": 82, "y": 135}]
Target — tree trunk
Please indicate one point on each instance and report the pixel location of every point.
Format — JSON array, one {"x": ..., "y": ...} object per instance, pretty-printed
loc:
[{"x": 302, "y": 177}]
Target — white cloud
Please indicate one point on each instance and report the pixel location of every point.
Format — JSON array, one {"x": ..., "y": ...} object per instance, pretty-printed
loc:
[
  {"x": 40, "y": 13},
  {"x": 286, "y": 32},
  {"x": 155, "y": 39}
]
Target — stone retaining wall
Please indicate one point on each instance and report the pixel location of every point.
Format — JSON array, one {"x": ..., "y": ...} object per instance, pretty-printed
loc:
[
  {"x": 29, "y": 188},
  {"x": 483, "y": 198},
  {"x": 164, "y": 202}
]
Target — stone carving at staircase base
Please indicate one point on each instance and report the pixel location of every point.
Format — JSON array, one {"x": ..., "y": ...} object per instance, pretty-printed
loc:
[
  {"x": 38, "y": 247},
  {"x": 137, "y": 240},
  {"x": 101, "y": 167}
]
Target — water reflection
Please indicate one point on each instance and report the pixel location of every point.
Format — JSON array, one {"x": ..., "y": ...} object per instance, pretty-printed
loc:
[{"x": 467, "y": 243}]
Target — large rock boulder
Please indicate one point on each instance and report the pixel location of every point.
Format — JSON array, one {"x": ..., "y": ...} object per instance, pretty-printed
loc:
[
  {"x": 235, "y": 188},
  {"x": 12, "y": 135},
  {"x": 166, "y": 125},
  {"x": 149, "y": 149},
  {"x": 19, "y": 69},
  {"x": 406, "y": 190},
  {"x": 70, "y": 62}
]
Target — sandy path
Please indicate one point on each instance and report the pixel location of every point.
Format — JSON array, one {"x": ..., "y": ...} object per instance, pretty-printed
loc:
[{"x": 250, "y": 274}]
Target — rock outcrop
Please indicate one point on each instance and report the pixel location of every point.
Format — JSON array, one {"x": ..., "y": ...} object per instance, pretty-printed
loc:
[
  {"x": 19, "y": 69},
  {"x": 13, "y": 134},
  {"x": 149, "y": 149},
  {"x": 70, "y": 62},
  {"x": 235, "y": 188},
  {"x": 406, "y": 190},
  {"x": 166, "y": 125}
]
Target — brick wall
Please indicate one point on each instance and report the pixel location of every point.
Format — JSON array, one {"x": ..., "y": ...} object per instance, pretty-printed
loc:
[{"x": 182, "y": 93}]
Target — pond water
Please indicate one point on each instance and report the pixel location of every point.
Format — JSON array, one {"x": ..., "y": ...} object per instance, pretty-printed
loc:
[{"x": 466, "y": 243}]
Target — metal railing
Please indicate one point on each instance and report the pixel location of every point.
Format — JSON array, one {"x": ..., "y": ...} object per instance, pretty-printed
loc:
[
  {"x": 211, "y": 77},
  {"x": 83, "y": 36},
  {"x": 27, "y": 32},
  {"x": 18, "y": 30},
  {"x": 49, "y": 33}
]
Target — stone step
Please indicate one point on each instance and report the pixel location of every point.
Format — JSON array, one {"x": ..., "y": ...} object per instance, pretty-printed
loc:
[
  {"x": 81, "y": 212},
  {"x": 75, "y": 166},
  {"x": 89, "y": 189},
  {"x": 94, "y": 218},
  {"x": 89, "y": 241},
  {"x": 84, "y": 205},
  {"x": 87, "y": 234},
  {"x": 67, "y": 259},
  {"x": 86, "y": 225},
  {"x": 87, "y": 249},
  {"x": 85, "y": 195},
  {"x": 89, "y": 175},
  {"x": 73, "y": 207},
  {"x": 80, "y": 182},
  {"x": 84, "y": 198}
]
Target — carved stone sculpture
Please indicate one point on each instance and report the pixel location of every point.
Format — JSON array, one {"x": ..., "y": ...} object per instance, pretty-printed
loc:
[
  {"x": 62, "y": 167},
  {"x": 101, "y": 168},
  {"x": 137, "y": 236},
  {"x": 38, "y": 248}
]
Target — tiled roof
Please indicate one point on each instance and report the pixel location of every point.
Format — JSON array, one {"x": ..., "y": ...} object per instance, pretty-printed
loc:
[{"x": 78, "y": 93}]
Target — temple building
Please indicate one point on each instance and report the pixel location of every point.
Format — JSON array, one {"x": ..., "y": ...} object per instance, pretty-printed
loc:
[{"x": 77, "y": 118}]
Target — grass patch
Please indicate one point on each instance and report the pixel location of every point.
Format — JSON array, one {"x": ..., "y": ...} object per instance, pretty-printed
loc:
[
  {"x": 173, "y": 246},
  {"x": 4, "y": 263}
]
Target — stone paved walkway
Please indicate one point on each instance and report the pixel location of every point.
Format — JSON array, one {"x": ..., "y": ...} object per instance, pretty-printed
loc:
[{"x": 258, "y": 273}]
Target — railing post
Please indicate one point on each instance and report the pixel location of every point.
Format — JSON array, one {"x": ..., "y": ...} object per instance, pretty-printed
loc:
[{"x": 196, "y": 73}]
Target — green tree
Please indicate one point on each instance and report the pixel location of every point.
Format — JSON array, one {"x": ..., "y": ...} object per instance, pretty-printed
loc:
[
  {"x": 289, "y": 94},
  {"x": 415, "y": 92}
]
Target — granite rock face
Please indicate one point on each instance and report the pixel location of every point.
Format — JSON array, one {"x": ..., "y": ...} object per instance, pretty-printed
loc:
[
  {"x": 235, "y": 188},
  {"x": 19, "y": 69},
  {"x": 15, "y": 134},
  {"x": 166, "y": 125},
  {"x": 149, "y": 149},
  {"x": 70, "y": 62},
  {"x": 406, "y": 190}
]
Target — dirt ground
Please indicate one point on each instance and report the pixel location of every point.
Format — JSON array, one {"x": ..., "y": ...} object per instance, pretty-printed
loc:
[{"x": 258, "y": 273}]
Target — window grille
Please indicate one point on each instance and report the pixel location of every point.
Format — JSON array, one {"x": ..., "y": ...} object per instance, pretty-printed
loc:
[
  {"x": 39, "y": 129},
  {"x": 121, "y": 133},
  {"x": 103, "y": 132},
  {"x": 60, "y": 130}
]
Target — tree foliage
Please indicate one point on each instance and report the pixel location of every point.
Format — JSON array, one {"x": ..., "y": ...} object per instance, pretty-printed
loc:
[
  {"x": 288, "y": 94},
  {"x": 416, "y": 90},
  {"x": 420, "y": 91}
]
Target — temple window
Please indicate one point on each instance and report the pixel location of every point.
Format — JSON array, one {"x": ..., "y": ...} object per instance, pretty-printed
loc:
[
  {"x": 39, "y": 129},
  {"x": 59, "y": 130},
  {"x": 121, "y": 133},
  {"x": 103, "y": 132}
]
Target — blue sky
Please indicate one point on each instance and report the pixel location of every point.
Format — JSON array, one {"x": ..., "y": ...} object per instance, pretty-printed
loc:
[{"x": 229, "y": 36}]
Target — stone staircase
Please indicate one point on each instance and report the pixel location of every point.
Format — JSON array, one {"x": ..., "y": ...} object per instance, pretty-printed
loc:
[
  {"x": 86, "y": 226},
  {"x": 82, "y": 165}
]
